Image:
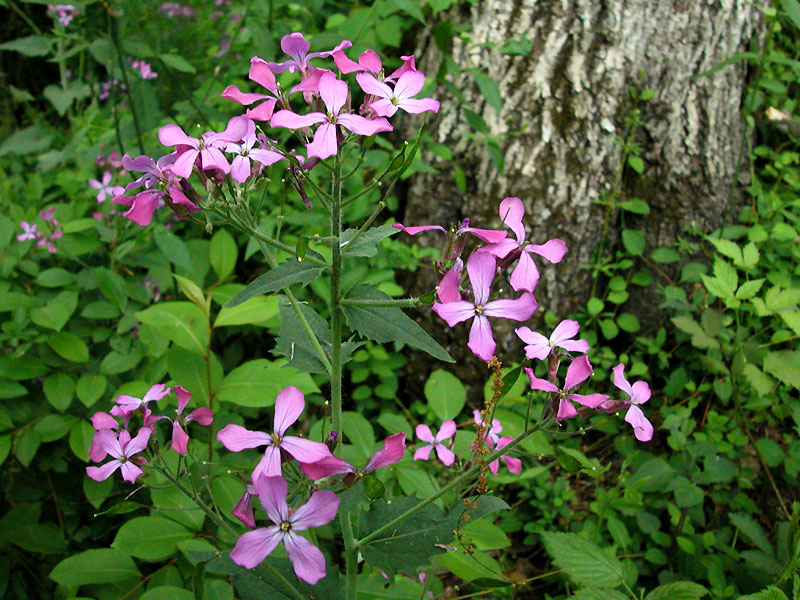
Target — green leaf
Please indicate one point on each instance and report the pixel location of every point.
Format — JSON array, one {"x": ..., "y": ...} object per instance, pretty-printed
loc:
[
  {"x": 293, "y": 342},
  {"x": 257, "y": 383},
  {"x": 411, "y": 542},
  {"x": 112, "y": 286},
  {"x": 758, "y": 380},
  {"x": 582, "y": 560},
  {"x": 412, "y": 8},
  {"x": 792, "y": 10},
  {"x": 54, "y": 278},
  {"x": 193, "y": 292},
  {"x": 95, "y": 566},
  {"x": 177, "y": 62},
  {"x": 190, "y": 371},
  {"x": 69, "y": 346},
  {"x": 792, "y": 319},
  {"x": 182, "y": 322},
  {"x": 446, "y": 394},
  {"x": 26, "y": 445},
  {"x": 56, "y": 313},
  {"x": 222, "y": 254},
  {"x": 256, "y": 310},
  {"x": 80, "y": 438},
  {"x": 389, "y": 324},
  {"x": 367, "y": 243},
  {"x": 727, "y": 248},
  {"x": 359, "y": 432},
  {"x": 665, "y": 256},
  {"x": 26, "y": 141},
  {"x": 628, "y": 322},
  {"x": 150, "y": 538},
  {"x": 633, "y": 240},
  {"x": 635, "y": 206},
  {"x": 700, "y": 339},
  {"x": 22, "y": 367},
  {"x": 594, "y": 306},
  {"x": 59, "y": 389},
  {"x": 489, "y": 90},
  {"x": 32, "y": 45},
  {"x": 749, "y": 289},
  {"x": 478, "y": 569},
  {"x": 784, "y": 365},
  {"x": 595, "y": 593},
  {"x": 90, "y": 388},
  {"x": 636, "y": 163},
  {"x": 172, "y": 247},
  {"x": 60, "y": 98},
  {"x": 177, "y": 506},
  {"x": 750, "y": 529},
  {"x": 167, "y": 592},
  {"x": 286, "y": 274}
]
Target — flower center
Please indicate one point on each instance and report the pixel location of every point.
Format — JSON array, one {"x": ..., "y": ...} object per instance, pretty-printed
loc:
[
  {"x": 479, "y": 310},
  {"x": 286, "y": 526},
  {"x": 394, "y": 100},
  {"x": 276, "y": 440}
]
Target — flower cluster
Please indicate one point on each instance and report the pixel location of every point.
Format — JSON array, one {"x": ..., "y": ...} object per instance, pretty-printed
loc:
[
  {"x": 30, "y": 231},
  {"x": 241, "y": 153},
  {"x": 174, "y": 9},
  {"x": 144, "y": 69},
  {"x": 63, "y": 12}
]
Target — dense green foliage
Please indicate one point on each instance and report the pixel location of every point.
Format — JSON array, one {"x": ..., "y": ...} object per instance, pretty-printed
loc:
[{"x": 709, "y": 501}]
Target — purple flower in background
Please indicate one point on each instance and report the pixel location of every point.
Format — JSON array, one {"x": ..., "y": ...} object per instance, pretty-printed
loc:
[
  {"x": 122, "y": 449},
  {"x": 64, "y": 12},
  {"x": 392, "y": 452},
  {"x": 128, "y": 404},
  {"x": 104, "y": 189},
  {"x": 202, "y": 416},
  {"x": 29, "y": 231},
  {"x": 513, "y": 464},
  {"x": 408, "y": 85},
  {"x": 254, "y": 546},
  {"x": 288, "y": 406},
  {"x": 240, "y": 166},
  {"x": 207, "y": 148},
  {"x": 639, "y": 393},
  {"x": 334, "y": 95},
  {"x": 579, "y": 370},
  {"x": 144, "y": 69},
  {"x": 444, "y": 453},
  {"x": 174, "y": 9},
  {"x": 481, "y": 270},
  {"x": 296, "y": 46},
  {"x": 525, "y": 275},
  {"x": 540, "y": 347}
]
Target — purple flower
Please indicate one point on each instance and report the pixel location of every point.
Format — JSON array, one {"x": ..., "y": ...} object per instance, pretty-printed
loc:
[
  {"x": 296, "y": 46},
  {"x": 101, "y": 420},
  {"x": 240, "y": 166},
  {"x": 481, "y": 270},
  {"x": 254, "y": 546},
  {"x": 490, "y": 236},
  {"x": 525, "y": 275},
  {"x": 128, "y": 404},
  {"x": 514, "y": 465},
  {"x": 579, "y": 370},
  {"x": 444, "y": 453},
  {"x": 206, "y": 148},
  {"x": 263, "y": 75},
  {"x": 104, "y": 189},
  {"x": 367, "y": 61},
  {"x": 29, "y": 232},
  {"x": 639, "y": 393},
  {"x": 448, "y": 288},
  {"x": 392, "y": 452},
  {"x": 202, "y": 416},
  {"x": 288, "y": 406},
  {"x": 540, "y": 347},
  {"x": 64, "y": 12},
  {"x": 122, "y": 449},
  {"x": 408, "y": 85},
  {"x": 334, "y": 95}
]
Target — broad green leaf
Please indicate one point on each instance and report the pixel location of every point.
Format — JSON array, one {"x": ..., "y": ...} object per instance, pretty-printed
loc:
[
  {"x": 32, "y": 45},
  {"x": 633, "y": 240},
  {"x": 792, "y": 319},
  {"x": 172, "y": 247},
  {"x": 367, "y": 243},
  {"x": 176, "y": 62},
  {"x": 582, "y": 560},
  {"x": 54, "y": 278},
  {"x": 769, "y": 593},
  {"x": 150, "y": 538},
  {"x": 54, "y": 427},
  {"x": 257, "y": 309},
  {"x": 177, "y": 506},
  {"x": 97, "y": 491},
  {"x": 286, "y": 274},
  {"x": 749, "y": 289},
  {"x": 167, "y": 592},
  {"x": 595, "y": 593},
  {"x": 26, "y": 444},
  {"x": 257, "y": 383},
  {"x": 359, "y": 432},
  {"x": 484, "y": 535},
  {"x": 700, "y": 339},
  {"x": 112, "y": 286},
  {"x": 222, "y": 254},
  {"x": 22, "y": 367},
  {"x": 770, "y": 451},
  {"x": 727, "y": 248},
  {"x": 59, "y": 389},
  {"x": 69, "y": 346},
  {"x": 90, "y": 388},
  {"x": 792, "y": 10},
  {"x": 190, "y": 370},
  {"x": 412, "y": 8},
  {"x": 182, "y": 322},
  {"x": 56, "y": 313},
  {"x": 446, "y": 394},
  {"x": 489, "y": 90},
  {"x": 40, "y": 538},
  {"x": 389, "y": 324},
  {"x": 784, "y": 365},
  {"x": 750, "y": 529},
  {"x": 471, "y": 567},
  {"x": 26, "y": 141},
  {"x": 95, "y": 566},
  {"x": 635, "y": 206},
  {"x": 80, "y": 438}
]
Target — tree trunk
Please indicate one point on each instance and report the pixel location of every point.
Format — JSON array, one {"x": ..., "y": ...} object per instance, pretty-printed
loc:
[{"x": 565, "y": 106}]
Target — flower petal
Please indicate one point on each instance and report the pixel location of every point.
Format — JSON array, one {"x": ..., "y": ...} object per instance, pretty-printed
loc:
[
  {"x": 107, "y": 440},
  {"x": 511, "y": 213},
  {"x": 454, "y": 312},
  {"x": 553, "y": 250},
  {"x": 540, "y": 384},
  {"x": 424, "y": 433},
  {"x": 103, "y": 472},
  {"x": 130, "y": 472},
  {"x": 537, "y": 347},
  {"x": 409, "y": 84},
  {"x": 173, "y": 135},
  {"x": 289, "y": 406},
  {"x": 201, "y": 416},
  {"x": 180, "y": 439},
  {"x": 525, "y": 275},
  {"x": 578, "y": 371},
  {"x": 481, "y": 341},
  {"x": 423, "y": 453},
  {"x": 272, "y": 493},
  {"x": 269, "y": 465},
  {"x": 318, "y": 511},
  {"x": 324, "y": 144},
  {"x": 445, "y": 455},
  {"x": 236, "y": 438},
  {"x": 481, "y": 271},
  {"x": 262, "y": 75},
  {"x": 447, "y": 290},
  {"x": 417, "y": 228},
  {"x": 327, "y": 467},
  {"x": 447, "y": 431},
  {"x": 290, "y": 120},
  {"x": 620, "y": 381},
  {"x": 418, "y": 105},
  {"x": 371, "y": 85},
  {"x": 520, "y": 309},
  {"x": 233, "y": 93},
  {"x": 333, "y": 92},
  {"x": 138, "y": 443},
  {"x": 305, "y": 450},
  {"x": 361, "y": 126},
  {"x": 590, "y": 400},
  {"x": 642, "y": 428},
  {"x": 307, "y": 560},
  {"x": 392, "y": 452},
  {"x": 254, "y": 546}
]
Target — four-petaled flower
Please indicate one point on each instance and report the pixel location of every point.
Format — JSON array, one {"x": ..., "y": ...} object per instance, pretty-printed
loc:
[
  {"x": 29, "y": 231},
  {"x": 201, "y": 416},
  {"x": 389, "y": 100},
  {"x": 104, "y": 189},
  {"x": 254, "y": 546},
  {"x": 540, "y": 347},
  {"x": 207, "y": 148},
  {"x": 493, "y": 431},
  {"x": 639, "y": 393},
  {"x": 514, "y": 464},
  {"x": 296, "y": 46},
  {"x": 481, "y": 270},
  {"x": 444, "y": 453},
  {"x": 122, "y": 450},
  {"x": 288, "y": 406},
  {"x": 128, "y": 404},
  {"x": 392, "y": 452},
  {"x": 240, "y": 166},
  {"x": 578, "y": 371}
]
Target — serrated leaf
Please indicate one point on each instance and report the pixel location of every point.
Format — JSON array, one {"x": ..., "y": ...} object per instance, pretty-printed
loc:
[
  {"x": 286, "y": 274},
  {"x": 389, "y": 324},
  {"x": 293, "y": 341},
  {"x": 751, "y": 530},
  {"x": 727, "y": 248},
  {"x": 32, "y": 45},
  {"x": 596, "y": 593},
  {"x": 412, "y": 8},
  {"x": 367, "y": 243},
  {"x": 700, "y": 339},
  {"x": 582, "y": 560},
  {"x": 784, "y": 365},
  {"x": 792, "y": 319},
  {"x": 750, "y": 255},
  {"x": 792, "y": 10},
  {"x": 679, "y": 590},
  {"x": 749, "y": 289},
  {"x": 759, "y": 381}
]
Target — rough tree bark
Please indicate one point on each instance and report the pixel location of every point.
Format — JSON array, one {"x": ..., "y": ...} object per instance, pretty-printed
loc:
[{"x": 565, "y": 105}]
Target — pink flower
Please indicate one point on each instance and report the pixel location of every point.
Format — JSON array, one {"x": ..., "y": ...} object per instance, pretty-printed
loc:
[
  {"x": 288, "y": 406},
  {"x": 29, "y": 232},
  {"x": 492, "y": 432},
  {"x": 254, "y": 546},
  {"x": 122, "y": 449},
  {"x": 144, "y": 69},
  {"x": 481, "y": 270},
  {"x": 392, "y": 452},
  {"x": 639, "y": 393},
  {"x": 514, "y": 465},
  {"x": 263, "y": 75},
  {"x": 101, "y": 420},
  {"x": 202, "y": 416},
  {"x": 448, "y": 288},
  {"x": 240, "y": 166},
  {"x": 579, "y": 370},
  {"x": 367, "y": 61},
  {"x": 64, "y": 12},
  {"x": 490, "y": 236},
  {"x": 128, "y": 404},
  {"x": 207, "y": 148},
  {"x": 104, "y": 189},
  {"x": 334, "y": 94},
  {"x": 444, "y": 453},
  {"x": 540, "y": 347},
  {"x": 408, "y": 85},
  {"x": 525, "y": 275},
  {"x": 296, "y": 46},
  {"x": 48, "y": 241}
]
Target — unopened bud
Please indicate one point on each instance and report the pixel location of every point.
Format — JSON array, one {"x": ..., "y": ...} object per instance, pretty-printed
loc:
[{"x": 332, "y": 440}]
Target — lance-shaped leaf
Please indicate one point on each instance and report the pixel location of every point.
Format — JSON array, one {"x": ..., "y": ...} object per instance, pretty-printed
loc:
[
  {"x": 388, "y": 323},
  {"x": 286, "y": 274},
  {"x": 367, "y": 243}
]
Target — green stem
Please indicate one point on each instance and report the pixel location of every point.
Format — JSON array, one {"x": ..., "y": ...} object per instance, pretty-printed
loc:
[
  {"x": 335, "y": 307},
  {"x": 406, "y": 302},
  {"x": 455, "y": 483},
  {"x": 281, "y": 246},
  {"x": 367, "y": 223},
  {"x": 351, "y": 556}
]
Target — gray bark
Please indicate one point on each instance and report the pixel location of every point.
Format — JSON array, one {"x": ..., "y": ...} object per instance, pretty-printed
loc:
[{"x": 565, "y": 105}]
